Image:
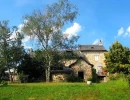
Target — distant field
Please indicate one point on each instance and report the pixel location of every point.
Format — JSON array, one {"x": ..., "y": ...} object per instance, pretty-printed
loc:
[{"x": 114, "y": 90}]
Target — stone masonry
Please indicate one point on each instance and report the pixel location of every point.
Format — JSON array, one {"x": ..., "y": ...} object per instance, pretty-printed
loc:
[
  {"x": 84, "y": 67},
  {"x": 91, "y": 57}
]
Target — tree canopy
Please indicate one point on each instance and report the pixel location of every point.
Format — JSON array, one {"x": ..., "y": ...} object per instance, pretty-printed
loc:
[
  {"x": 11, "y": 49},
  {"x": 46, "y": 26},
  {"x": 118, "y": 58}
]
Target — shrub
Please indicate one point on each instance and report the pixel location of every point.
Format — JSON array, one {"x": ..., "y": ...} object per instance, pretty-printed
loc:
[
  {"x": 114, "y": 76},
  {"x": 73, "y": 78},
  {"x": 23, "y": 78},
  {"x": 128, "y": 80},
  {"x": 4, "y": 83},
  {"x": 89, "y": 79},
  {"x": 95, "y": 78}
]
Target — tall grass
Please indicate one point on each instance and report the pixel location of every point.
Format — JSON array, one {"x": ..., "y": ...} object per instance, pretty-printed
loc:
[{"x": 113, "y": 90}]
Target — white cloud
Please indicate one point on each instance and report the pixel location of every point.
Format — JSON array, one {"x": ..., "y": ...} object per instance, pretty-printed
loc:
[
  {"x": 73, "y": 30},
  {"x": 24, "y": 41},
  {"x": 26, "y": 38},
  {"x": 20, "y": 26},
  {"x": 128, "y": 29},
  {"x": 127, "y": 33},
  {"x": 25, "y": 46},
  {"x": 96, "y": 41},
  {"x": 124, "y": 33},
  {"x": 13, "y": 35},
  {"x": 120, "y": 31}
]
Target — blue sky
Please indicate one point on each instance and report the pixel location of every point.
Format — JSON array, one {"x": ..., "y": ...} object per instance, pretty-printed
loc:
[{"x": 106, "y": 20}]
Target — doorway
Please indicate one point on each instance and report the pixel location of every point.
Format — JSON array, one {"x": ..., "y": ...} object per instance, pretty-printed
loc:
[{"x": 81, "y": 74}]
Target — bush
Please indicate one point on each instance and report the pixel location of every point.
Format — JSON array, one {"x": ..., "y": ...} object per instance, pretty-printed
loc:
[
  {"x": 23, "y": 78},
  {"x": 73, "y": 78},
  {"x": 128, "y": 80},
  {"x": 89, "y": 79},
  {"x": 95, "y": 78},
  {"x": 116, "y": 76},
  {"x": 4, "y": 83}
]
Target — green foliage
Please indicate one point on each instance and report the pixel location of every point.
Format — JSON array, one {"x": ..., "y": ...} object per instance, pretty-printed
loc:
[
  {"x": 89, "y": 79},
  {"x": 117, "y": 76},
  {"x": 128, "y": 79},
  {"x": 32, "y": 67},
  {"x": 11, "y": 49},
  {"x": 113, "y": 77},
  {"x": 46, "y": 25},
  {"x": 4, "y": 83},
  {"x": 117, "y": 59},
  {"x": 23, "y": 78},
  {"x": 73, "y": 78},
  {"x": 95, "y": 78},
  {"x": 3, "y": 76}
]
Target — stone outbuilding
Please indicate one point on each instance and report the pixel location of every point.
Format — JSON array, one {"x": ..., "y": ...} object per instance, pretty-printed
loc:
[{"x": 82, "y": 68}]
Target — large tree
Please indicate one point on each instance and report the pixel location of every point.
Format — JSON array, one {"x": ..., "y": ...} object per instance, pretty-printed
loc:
[
  {"x": 118, "y": 58},
  {"x": 46, "y": 25},
  {"x": 10, "y": 47}
]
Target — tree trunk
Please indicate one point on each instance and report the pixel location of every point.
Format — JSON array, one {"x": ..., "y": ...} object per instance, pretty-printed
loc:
[
  {"x": 48, "y": 74},
  {"x": 48, "y": 67},
  {"x": 11, "y": 77}
]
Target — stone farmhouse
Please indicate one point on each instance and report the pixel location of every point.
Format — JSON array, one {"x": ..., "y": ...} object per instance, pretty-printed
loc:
[{"x": 90, "y": 56}]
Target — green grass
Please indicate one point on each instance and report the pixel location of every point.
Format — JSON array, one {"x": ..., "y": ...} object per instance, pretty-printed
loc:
[{"x": 113, "y": 90}]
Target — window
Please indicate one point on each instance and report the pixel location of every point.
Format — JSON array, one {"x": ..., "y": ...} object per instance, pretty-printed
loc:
[{"x": 96, "y": 57}]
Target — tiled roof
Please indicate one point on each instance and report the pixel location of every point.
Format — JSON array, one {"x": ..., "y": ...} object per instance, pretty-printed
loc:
[{"x": 92, "y": 48}]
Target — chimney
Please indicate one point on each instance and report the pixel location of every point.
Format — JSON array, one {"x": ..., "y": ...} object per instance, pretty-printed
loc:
[{"x": 100, "y": 42}]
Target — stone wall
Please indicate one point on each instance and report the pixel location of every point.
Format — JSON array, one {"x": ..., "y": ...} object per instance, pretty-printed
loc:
[
  {"x": 59, "y": 77},
  {"x": 91, "y": 58},
  {"x": 84, "y": 67}
]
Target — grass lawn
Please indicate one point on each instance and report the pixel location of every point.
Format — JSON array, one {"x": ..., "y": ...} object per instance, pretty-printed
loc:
[{"x": 113, "y": 90}]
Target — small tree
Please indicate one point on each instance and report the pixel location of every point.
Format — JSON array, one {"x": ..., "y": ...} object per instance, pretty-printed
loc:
[{"x": 47, "y": 26}]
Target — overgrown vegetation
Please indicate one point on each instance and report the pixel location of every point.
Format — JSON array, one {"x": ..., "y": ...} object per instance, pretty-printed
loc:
[
  {"x": 73, "y": 78},
  {"x": 128, "y": 79},
  {"x": 4, "y": 83}
]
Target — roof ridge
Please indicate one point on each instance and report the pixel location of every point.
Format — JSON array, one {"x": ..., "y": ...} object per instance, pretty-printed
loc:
[{"x": 92, "y": 47}]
